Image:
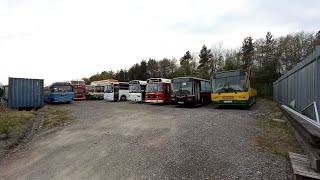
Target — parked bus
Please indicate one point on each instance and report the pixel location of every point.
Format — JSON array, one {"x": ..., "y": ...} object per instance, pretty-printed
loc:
[
  {"x": 79, "y": 89},
  {"x": 59, "y": 92},
  {"x": 190, "y": 91},
  {"x": 158, "y": 90},
  {"x": 89, "y": 91},
  {"x": 232, "y": 88},
  {"x": 99, "y": 88},
  {"x": 137, "y": 90},
  {"x": 116, "y": 91}
]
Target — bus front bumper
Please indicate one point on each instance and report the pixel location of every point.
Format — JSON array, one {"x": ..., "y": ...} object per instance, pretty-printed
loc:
[
  {"x": 154, "y": 101},
  {"x": 232, "y": 102}
]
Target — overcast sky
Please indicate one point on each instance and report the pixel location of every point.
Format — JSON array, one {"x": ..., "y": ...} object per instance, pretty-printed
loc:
[{"x": 69, "y": 39}]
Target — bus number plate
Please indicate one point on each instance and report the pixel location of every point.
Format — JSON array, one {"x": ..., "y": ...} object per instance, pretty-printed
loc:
[
  {"x": 180, "y": 102},
  {"x": 227, "y": 101}
]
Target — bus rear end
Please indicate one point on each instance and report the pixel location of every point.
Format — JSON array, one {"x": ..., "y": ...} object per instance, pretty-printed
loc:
[
  {"x": 232, "y": 88},
  {"x": 79, "y": 92}
]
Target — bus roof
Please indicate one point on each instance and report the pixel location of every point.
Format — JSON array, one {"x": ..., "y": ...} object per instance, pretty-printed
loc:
[
  {"x": 62, "y": 84},
  {"x": 188, "y": 78},
  {"x": 77, "y": 82},
  {"x": 138, "y": 82},
  {"x": 230, "y": 73},
  {"x": 103, "y": 81},
  {"x": 158, "y": 80},
  {"x": 108, "y": 83}
]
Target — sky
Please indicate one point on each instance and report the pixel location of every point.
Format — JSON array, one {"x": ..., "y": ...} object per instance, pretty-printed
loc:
[{"x": 60, "y": 40}]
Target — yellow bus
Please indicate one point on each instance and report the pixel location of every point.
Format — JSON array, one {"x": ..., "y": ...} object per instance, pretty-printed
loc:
[{"x": 232, "y": 88}]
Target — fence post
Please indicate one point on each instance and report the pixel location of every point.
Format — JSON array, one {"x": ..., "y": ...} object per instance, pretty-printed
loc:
[{"x": 317, "y": 78}]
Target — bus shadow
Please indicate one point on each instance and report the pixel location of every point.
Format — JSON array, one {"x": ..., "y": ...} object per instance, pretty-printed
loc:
[{"x": 235, "y": 107}]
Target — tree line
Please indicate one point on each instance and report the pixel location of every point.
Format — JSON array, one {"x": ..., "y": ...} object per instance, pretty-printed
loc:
[{"x": 265, "y": 58}]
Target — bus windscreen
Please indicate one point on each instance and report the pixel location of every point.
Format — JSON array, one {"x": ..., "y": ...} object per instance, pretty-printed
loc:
[
  {"x": 154, "y": 87},
  {"x": 182, "y": 88},
  {"x": 134, "y": 88},
  {"x": 61, "y": 88},
  {"x": 229, "y": 84}
]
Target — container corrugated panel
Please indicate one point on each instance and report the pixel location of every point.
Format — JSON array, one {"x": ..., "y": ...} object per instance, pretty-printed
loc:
[
  {"x": 25, "y": 93},
  {"x": 300, "y": 86}
]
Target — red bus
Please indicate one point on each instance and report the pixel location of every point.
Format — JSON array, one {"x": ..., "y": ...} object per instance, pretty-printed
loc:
[
  {"x": 79, "y": 89},
  {"x": 158, "y": 90}
]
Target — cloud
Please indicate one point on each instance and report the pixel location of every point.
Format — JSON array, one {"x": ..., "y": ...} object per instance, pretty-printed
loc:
[
  {"x": 277, "y": 15},
  {"x": 70, "y": 39}
]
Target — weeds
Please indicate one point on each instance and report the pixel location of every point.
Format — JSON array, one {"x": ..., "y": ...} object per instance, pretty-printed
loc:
[{"x": 276, "y": 137}]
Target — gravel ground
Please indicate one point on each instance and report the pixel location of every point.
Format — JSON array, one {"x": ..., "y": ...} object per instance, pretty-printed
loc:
[{"x": 125, "y": 140}]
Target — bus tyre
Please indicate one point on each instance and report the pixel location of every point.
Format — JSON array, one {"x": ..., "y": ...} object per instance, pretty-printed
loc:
[{"x": 123, "y": 98}]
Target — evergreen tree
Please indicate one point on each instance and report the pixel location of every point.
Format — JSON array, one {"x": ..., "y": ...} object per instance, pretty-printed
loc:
[
  {"x": 152, "y": 68},
  {"x": 205, "y": 62},
  {"x": 185, "y": 64},
  {"x": 247, "y": 52}
]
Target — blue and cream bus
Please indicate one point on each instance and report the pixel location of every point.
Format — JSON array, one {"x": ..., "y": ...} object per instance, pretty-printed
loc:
[{"x": 59, "y": 92}]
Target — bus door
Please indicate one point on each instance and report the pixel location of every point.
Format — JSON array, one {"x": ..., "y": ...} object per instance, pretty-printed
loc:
[
  {"x": 197, "y": 89},
  {"x": 116, "y": 92},
  {"x": 167, "y": 92},
  {"x": 143, "y": 92}
]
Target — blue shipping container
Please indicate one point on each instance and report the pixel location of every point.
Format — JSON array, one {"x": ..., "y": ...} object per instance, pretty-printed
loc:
[{"x": 25, "y": 93}]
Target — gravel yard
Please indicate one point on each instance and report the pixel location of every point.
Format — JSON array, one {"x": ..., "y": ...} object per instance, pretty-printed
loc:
[{"x": 125, "y": 140}]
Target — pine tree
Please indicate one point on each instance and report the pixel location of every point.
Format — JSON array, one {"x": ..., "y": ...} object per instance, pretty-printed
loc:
[
  {"x": 247, "y": 52},
  {"x": 205, "y": 62}
]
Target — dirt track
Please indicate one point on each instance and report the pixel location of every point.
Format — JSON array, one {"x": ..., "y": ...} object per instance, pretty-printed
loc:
[{"x": 124, "y": 140}]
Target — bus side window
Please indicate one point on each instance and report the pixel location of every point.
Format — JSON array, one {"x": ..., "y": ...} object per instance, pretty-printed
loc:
[
  {"x": 124, "y": 86},
  {"x": 202, "y": 85}
]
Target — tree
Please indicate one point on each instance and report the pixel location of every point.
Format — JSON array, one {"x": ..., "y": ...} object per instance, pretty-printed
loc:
[
  {"x": 268, "y": 64},
  {"x": 247, "y": 52},
  {"x": 217, "y": 59},
  {"x": 133, "y": 72},
  {"x": 205, "y": 62},
  {"x": 185, "y": 61},
  {"x": 232, "y": 59},
  {"x": 152, "y": 68},
  {"x": 143, "y": 74},
  {"x": 1, "y": 90},
  {"x": 86, "y": 80},
  {"x": 173, "y": 68},
  {"x": 164, "y": 66}
]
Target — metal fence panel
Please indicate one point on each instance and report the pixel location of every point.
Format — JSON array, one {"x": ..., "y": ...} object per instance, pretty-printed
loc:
[{"x": 300, "y": 87}]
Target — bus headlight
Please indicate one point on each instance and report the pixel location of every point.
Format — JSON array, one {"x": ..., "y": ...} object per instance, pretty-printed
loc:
[
  {"x": 241, "y": 97},
  {"x": 172, "y": 99}
]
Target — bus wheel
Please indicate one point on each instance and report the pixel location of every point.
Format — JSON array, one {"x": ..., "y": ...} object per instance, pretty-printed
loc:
[{"x": 123, "y": 98}]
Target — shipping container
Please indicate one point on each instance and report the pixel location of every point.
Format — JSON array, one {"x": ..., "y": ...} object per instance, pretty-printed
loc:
[{"x": 25, "y": 93}]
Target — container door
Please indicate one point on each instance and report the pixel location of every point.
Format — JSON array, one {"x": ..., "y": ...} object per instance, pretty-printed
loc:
[{"x": 116, "y": 92}]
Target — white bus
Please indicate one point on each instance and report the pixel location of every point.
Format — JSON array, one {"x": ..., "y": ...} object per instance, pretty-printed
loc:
[
  {"x": 137, "y": 90},
  {"x": 116, "y": 91}
]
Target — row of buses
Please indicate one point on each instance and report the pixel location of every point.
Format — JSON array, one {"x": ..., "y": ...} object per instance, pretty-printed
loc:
[{"x": 226, "y": 88}]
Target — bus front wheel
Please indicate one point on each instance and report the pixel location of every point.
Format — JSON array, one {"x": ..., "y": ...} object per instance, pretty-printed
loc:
[{"x": 123, "y": 98}]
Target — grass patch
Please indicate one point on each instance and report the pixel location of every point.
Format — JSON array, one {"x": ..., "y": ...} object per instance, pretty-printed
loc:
[
  {"x": 276, "y": 137},
  {"x": 15, "y": 122},
  {"x": 56, "y": 116}
]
